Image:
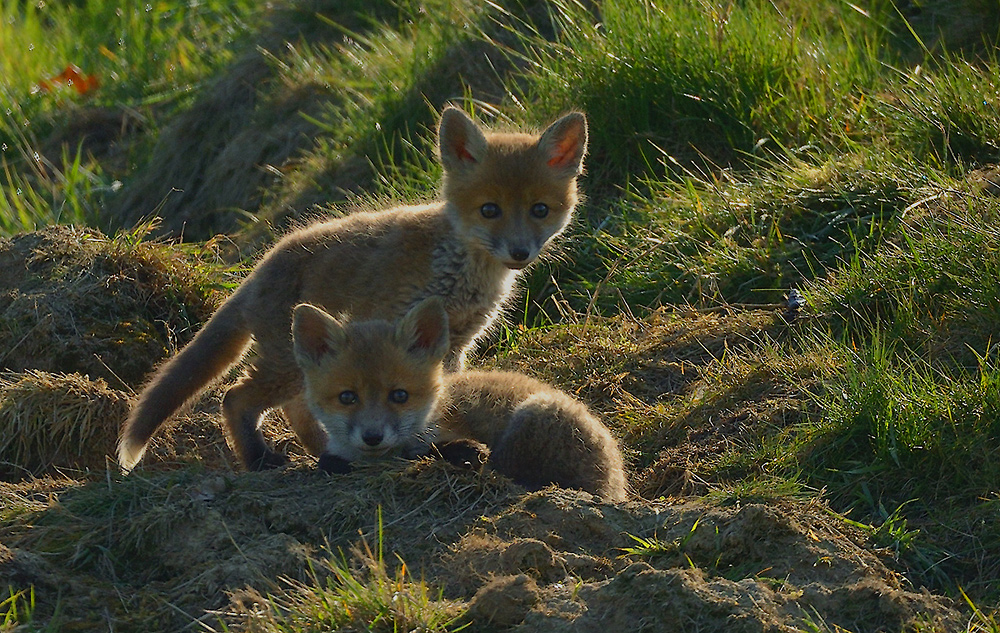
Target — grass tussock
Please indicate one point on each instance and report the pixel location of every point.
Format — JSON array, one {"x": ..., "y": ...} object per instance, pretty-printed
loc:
[
  {"x": 53, "y": 420},
  {"x": 356, "y": 593},
  {"x": 75, "y": 300}
]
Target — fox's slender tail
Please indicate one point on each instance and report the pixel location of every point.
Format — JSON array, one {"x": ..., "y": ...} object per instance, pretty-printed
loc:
[{"x": 216, "y": 347}]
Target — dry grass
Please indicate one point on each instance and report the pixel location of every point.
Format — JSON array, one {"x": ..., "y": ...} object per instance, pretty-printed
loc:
[
  {"x": 74, "y": 300},
  {"x": 57, "y": 421}
]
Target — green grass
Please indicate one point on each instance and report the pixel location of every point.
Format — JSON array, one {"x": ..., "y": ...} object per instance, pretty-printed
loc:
[
  {"x": 359, "y": 594},
  {"x": 738, "y": 150},
  {"x": 709, "y": 82},
  {"x": 16, "y": 608},
  {"x": 140, "y": 54},
  {"x": 146, "y": 59}
]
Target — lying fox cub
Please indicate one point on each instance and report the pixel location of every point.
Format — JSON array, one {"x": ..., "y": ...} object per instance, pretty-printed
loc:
[{"x": 376, "y": 388}]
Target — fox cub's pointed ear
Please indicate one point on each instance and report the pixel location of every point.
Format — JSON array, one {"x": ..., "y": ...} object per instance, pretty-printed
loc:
[
  {"x": 461, "y": 141},
  {"x": 564, "y": 144},
  {"x": 424, "y": 329},
  {"x": 315, "y": 334}
]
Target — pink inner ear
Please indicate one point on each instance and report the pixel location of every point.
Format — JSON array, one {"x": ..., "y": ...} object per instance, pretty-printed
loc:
[
  {"x": 320, "y": 349},
  {"x": 564, "y": 154},
  {"x": 312, "y": 333},
  {"x": 426, "y": 336},
  {"x": 463, "y": 154},
  {"x": 427, "y": 333},
  {"x": 424, "y": 340}
]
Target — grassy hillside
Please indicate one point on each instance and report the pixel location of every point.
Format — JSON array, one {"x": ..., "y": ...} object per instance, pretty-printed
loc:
[{"x": 738, "y": 151}]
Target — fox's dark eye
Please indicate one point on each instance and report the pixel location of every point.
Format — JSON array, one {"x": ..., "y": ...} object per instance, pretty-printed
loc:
[
  {"x": 348, "y": 397},
  {"x": 540, "y": 210},
  {"x": 399, "y": 396},
  {"x": 490, "y": 210}
]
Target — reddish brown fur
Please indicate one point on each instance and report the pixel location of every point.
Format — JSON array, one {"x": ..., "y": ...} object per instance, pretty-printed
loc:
[
  {"x": 537, "y": 435},
  {"x": 377, "y": 265},
  {"x": 371, "y": 360}
]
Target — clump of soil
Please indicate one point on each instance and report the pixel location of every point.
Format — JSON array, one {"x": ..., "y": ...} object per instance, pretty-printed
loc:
[
  {"x": 686, "y": 566},
  {"x": 74, "y": 300}
]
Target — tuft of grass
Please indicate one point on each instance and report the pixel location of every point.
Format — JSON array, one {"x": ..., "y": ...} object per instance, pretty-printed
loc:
[
  {"x": 653, "y": 547},
  {"x": 361, "y": 594},
  {"x": 17, "y": 608},
  {"x": 57, "y": 420},
  {"x": 51, "y": 193},
  {"x": 368, "y": 599}
]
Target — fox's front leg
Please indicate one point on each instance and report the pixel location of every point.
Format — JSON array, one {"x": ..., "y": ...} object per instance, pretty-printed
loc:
[
  {"x": 312, "y": 436},
  {"x": 242, "y": 408}
]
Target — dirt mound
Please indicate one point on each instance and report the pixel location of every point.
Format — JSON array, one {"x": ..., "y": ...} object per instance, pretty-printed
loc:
[
  {"x": 188, "y": 536},
  {"x": 73, "y": 300},
  {"x": 557, "y": 561},
  {"x": 551, "y": 560}
]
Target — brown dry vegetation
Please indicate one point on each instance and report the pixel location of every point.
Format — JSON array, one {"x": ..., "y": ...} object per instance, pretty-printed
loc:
[
  {"x": 73, "y": 300},
  {"x": 189, "y": 537}
]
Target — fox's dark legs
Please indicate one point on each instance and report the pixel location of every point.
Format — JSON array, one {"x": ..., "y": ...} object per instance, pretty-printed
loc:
[{"x": 242, "y": 408}]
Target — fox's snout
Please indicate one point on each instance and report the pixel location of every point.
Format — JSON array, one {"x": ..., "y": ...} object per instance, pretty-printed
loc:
[
  {"x": 519, "y": 254},
  {"x": 372, "y": 437},
  {"x": 518, "y": 257}
]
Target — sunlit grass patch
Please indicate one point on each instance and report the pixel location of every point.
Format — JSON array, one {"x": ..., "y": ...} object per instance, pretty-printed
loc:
[
  {"x": 946, "y": 113},
  {"x": 365, "y": 592},
  {"x": 691, "y": 78},
  {"x": 935, "y": 287}
]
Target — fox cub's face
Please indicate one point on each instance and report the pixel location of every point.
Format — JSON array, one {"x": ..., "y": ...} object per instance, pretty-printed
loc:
[
  {"x": 509, "y": 194},
  {"x": 371, "y": 385}
]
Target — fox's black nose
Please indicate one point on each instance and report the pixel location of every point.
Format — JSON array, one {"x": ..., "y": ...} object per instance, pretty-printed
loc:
[
  {"x": 372, "y": 438},
  {"x": 519, "y": 254}
]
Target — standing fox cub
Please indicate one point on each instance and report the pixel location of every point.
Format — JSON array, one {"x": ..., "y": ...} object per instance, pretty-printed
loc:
[
  {"x": 376, "y": 387},
  {"x": 505, "y": 196}
]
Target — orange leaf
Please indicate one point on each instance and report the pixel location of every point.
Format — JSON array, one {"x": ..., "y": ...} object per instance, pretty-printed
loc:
[{"x": 71, "y": 76}]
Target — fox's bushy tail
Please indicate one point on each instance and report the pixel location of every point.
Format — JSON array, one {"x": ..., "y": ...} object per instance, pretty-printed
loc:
[{"x": 219, "y": 344}]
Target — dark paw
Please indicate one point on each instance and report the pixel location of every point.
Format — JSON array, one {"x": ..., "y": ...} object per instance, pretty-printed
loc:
[
  {"x": 330, "y": 463},
  {"x": 267, "y": 460},
  {"x": 463, "y": 453}
]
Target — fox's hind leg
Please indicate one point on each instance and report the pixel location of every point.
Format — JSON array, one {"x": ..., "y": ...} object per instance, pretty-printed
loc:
[{"x": 243, "y": 406}]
